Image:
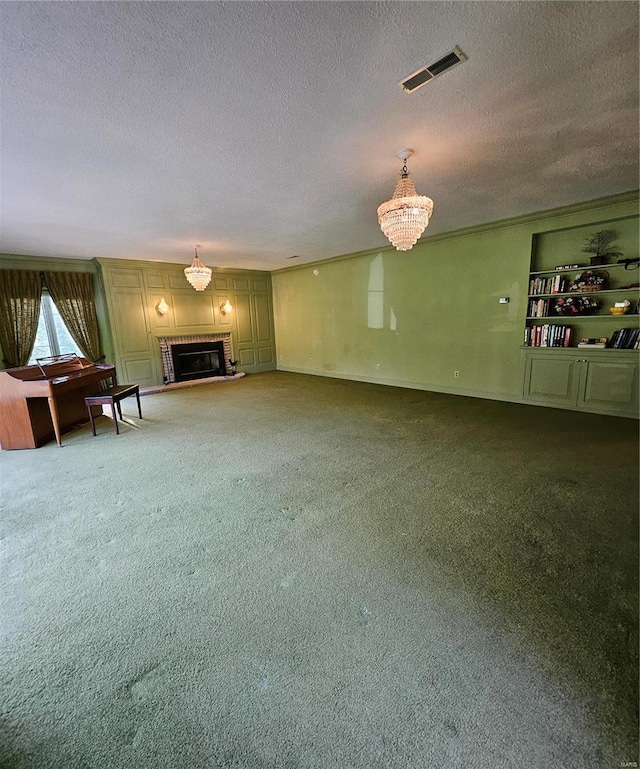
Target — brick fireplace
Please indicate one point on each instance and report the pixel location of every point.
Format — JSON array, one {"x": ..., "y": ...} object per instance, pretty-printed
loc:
[{"x": 195, "y": 342}]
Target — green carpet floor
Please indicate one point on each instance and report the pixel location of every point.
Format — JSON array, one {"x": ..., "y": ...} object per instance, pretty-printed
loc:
[{"x": 305, "y": 573}]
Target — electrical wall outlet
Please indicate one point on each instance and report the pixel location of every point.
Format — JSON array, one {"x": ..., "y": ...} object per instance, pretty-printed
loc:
[
  {"x": 456, "y": 375},
  {"x": 378, "y": 366}
]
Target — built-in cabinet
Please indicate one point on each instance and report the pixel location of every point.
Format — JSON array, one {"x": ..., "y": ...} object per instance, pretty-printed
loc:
[
  {"x": 559, "y": 371},
  {"x": 568, "y": 294},
  {"x": 134, "y": 290},
  {"x": 601, "y": 381}
]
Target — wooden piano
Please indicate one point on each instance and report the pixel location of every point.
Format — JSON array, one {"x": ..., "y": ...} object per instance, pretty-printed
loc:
[{"x": 38, "y": 403}]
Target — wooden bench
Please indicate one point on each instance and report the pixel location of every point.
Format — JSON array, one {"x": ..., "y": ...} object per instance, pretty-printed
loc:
[{"x": 112, "y": 396}]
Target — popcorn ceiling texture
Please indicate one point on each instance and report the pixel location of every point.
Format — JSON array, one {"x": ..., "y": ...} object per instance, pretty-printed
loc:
[
  {"x": 262, "y": 130},
  {"x": 292, "y": 572}
]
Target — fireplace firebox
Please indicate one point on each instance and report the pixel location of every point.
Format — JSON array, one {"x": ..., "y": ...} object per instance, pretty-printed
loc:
[{"x": 198, "y": 360}]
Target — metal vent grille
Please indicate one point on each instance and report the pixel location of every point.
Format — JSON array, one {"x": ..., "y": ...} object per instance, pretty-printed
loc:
[
  {"x": 416, "y": 80},
  {"x": 424, "y": 75}
]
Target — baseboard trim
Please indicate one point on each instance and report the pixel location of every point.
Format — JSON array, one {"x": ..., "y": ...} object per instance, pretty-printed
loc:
[
  {"x": 190, "y": 383},
  {"x": 424, "y": 386}
]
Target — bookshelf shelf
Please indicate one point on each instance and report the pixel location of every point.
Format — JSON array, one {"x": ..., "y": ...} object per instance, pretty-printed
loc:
[
  {"x": 635, "y": 291},
  {"x": 583, "y": 267},
  {"x": 575, "y": 318},
  {"x": 548, "y": 287},
  {"x": 558, "y": 373}
]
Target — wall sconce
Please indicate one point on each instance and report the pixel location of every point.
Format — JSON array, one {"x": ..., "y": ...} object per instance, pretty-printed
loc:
[
  {"x": 162, "y": 308},
  {"x": 226, "y": 307}
]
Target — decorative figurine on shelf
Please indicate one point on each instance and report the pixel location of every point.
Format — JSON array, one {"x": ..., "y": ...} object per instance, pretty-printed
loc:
[
  {"x": 620, "y": 308},
  {"x": 232, "y": 366},
  {"x": 599, "y": 244}
]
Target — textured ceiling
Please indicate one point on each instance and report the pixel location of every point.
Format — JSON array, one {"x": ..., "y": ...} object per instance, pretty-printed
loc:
[{"x": 266, "y": 129}]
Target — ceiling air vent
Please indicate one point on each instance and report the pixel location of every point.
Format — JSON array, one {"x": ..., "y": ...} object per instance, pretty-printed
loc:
[{"x": 425, "y": 74}]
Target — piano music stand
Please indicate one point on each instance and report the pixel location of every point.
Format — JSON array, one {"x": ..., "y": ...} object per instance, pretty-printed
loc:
[{"x": 55, "y": 364}]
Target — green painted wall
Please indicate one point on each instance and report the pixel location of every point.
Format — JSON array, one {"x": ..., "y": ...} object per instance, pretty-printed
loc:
[{"x": 413, "y": 319}]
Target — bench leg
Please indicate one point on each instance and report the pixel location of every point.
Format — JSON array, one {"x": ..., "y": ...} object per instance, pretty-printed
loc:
[
  {"x": 115, "y": 421},
  {"x": 93, "y": 424},
  {"x": 138, "y": 399}
]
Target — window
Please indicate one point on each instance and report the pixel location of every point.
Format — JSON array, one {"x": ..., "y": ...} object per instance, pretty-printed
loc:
[{"x": 52, "y": 337}]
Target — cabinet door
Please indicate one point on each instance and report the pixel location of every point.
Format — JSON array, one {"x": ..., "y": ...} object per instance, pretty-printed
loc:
[
  {"x": 552, "y": 380},
  {"x": 609, "y": 387}
]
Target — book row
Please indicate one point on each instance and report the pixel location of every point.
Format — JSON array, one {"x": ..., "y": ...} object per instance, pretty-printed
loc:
[
  {"x": 548, "y": 335},
  {"x": 585, "y": 304},
  {"x": 625, "y": 339},
  {"x": 539, "y": 308},
  {"x": 554, "y": 285},
  {"x": 560, "y": 336}
]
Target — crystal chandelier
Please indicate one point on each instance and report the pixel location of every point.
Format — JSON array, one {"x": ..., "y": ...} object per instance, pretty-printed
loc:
[
  {"x": 406, "y": 216},
  {"x": 198, "y": 275}
]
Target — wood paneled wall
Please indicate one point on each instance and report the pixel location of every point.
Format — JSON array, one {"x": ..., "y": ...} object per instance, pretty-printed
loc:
[{"x": 133, "y": 289}]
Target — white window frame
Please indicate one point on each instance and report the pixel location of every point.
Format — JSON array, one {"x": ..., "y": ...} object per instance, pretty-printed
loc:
[{"x": 46, "y": 310}]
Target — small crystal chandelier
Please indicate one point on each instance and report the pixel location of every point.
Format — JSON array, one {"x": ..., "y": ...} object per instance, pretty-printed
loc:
[
  {"x": 198, "y": 275},
  {"x": 406, "y": 216}
]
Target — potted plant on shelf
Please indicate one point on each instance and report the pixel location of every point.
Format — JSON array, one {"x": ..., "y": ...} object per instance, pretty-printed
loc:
[{"x": 600, "y": 245}]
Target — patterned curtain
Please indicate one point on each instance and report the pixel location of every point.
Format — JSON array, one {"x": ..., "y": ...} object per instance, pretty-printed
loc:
[
  {"x": 20, "y": 292},
  {"x": 72, "y": 293}
]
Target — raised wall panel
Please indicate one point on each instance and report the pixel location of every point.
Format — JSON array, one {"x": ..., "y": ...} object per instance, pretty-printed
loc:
[
  {"x": 194, "y": 309},
  {"x": 137, "y": 371},
  {"x": 130, "y": 321},
  {"x": 179, "y": 281},
  {"x": 265, "y": 355},
  {"x": 262, "y": 317},
  {"x": 242, "y": 308},
  {"x": 126, "y": 278},
  {"x": 154, "y": 280},
  {"x": 246, "y": 357},
  {"x": 133, "y": 292}
]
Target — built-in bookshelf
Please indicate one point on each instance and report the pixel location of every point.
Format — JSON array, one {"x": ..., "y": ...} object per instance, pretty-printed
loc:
[{"x": 570, "y": 300}]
